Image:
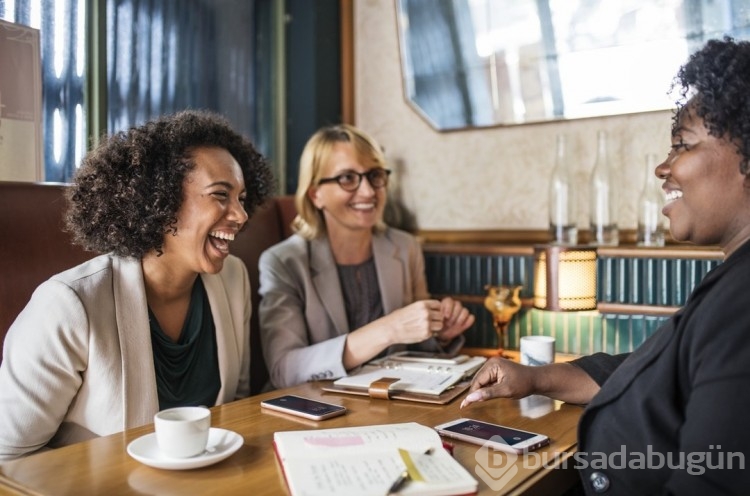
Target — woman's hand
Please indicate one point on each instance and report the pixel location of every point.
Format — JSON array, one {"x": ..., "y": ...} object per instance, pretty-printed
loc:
[
  {"x": 501, "y": 378},
  {"x": 456, "y": 319},
  {"x": 415, "y": 322},
  {"x": 444, "y": 320},
  {"x": 411, "y": 324}
]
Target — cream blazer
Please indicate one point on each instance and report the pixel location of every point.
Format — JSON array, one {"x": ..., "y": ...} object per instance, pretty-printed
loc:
[
  {"x": 78, "y": 362},
  {"x": 303, "y": 322}
]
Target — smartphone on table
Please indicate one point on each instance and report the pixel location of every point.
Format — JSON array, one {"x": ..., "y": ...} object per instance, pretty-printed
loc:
[
  {"x": 495, "y": 436},
  {"x": 303, "y": 407},
  {"x": 427, "y": 357}
]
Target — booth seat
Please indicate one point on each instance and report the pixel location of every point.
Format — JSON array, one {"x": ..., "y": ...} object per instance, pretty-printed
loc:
[{"x": 34, "y": 247}]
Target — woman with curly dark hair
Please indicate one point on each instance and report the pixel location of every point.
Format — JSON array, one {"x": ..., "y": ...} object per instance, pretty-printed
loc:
[
  {"x": 670, "y": 417},
  {"x": 161, "y": 319}
]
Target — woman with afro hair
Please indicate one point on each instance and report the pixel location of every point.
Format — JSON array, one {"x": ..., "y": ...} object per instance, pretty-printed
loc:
[
  {"x": 161, "y": 317},
  {"x": 669, "y": 418}
]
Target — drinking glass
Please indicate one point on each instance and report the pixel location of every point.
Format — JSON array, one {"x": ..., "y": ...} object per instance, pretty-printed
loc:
[{"x": 503, "y": 302}]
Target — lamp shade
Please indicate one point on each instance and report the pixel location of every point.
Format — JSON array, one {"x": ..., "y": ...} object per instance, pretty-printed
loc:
[{"x": 564, "y": 277}]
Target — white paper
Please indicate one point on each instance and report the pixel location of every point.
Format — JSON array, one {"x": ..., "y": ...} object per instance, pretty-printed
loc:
[
  {"x": 413, "y": 377},
  {"x": 366, "y": 460}
]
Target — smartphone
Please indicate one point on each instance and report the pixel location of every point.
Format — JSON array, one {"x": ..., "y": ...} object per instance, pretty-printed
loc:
[
  {"x": 303, "y": 407},
  {"x": 493, "y": 435},
  {"x": 427, "y": 357}
]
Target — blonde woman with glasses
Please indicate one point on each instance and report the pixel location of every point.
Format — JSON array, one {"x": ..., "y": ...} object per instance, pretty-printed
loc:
[{"x": 347, "y": 288}]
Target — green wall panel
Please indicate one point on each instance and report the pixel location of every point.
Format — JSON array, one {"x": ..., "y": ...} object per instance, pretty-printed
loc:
[{"x": 638, "y": 281}]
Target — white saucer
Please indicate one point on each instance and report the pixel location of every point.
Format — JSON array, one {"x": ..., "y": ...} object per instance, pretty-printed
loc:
[{"x": 222, "y": 444}]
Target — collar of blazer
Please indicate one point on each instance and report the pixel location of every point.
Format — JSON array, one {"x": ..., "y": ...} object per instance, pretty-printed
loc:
[{"x": 140, "y": 400}]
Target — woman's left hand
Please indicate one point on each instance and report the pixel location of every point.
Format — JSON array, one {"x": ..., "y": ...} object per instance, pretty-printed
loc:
[{"x": 456, "y": 319}]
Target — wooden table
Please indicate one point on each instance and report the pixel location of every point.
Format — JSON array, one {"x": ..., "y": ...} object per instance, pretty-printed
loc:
[{"x": 102, "y": 466}]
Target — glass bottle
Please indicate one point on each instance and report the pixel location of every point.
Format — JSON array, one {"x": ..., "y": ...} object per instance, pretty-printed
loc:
[
  {"x": 650, "y": 203},
  {"x": 562, "y": 200},
  {"x": 603, "y": 204}
]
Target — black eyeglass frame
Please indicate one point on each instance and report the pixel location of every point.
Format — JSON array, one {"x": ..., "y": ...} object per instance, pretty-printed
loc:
[{"x": 369, "y": 175}]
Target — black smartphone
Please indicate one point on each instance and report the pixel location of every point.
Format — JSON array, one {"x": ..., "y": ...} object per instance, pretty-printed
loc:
[
  {"x": 493, "y": 435},
  {"x": 303, "y": 407}
]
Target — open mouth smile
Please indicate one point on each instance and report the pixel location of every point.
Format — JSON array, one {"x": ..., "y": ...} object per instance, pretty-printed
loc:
[{"x": 220, "y": 240}]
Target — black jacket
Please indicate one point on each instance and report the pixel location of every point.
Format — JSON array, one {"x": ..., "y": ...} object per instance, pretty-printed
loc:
[{"x": 681, "y": 400}]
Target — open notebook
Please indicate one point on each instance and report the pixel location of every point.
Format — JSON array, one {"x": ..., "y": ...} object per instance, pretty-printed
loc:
[
  {"x": 367, "y": 460},
  {"x": 414, "y": 377}
]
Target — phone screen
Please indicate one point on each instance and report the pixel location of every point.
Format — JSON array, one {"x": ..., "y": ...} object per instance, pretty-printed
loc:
[
  {"x": 483, "y": 430},
  {"x": 303, "y": 405}
]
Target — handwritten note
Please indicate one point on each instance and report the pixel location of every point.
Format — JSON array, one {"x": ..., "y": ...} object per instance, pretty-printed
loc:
[{"x": 366, "y": 460}]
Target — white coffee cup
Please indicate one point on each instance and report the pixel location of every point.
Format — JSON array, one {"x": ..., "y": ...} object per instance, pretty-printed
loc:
[
  {"x": 182, "y": 432},
  {"x": 537, "y": 350},
  {"x": 536, "y": 406}
]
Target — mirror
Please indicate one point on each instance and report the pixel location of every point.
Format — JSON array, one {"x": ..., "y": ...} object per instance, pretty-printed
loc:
[{"x": 477, "y": 63}]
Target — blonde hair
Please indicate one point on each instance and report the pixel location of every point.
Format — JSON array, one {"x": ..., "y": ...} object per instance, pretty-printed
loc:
[{"x": 309, "y": 222}]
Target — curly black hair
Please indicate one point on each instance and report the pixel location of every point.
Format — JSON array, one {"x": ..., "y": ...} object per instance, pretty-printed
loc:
[
  {"x": 126, "y": 194},
  {"x": 715, "y": 84}
]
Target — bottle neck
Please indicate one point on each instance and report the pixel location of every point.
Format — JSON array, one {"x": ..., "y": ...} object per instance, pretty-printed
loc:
[
  {"x": 601, "y": 150},
  {"x": 561, "y": 161},
  {"x": 650, "y": 179}
]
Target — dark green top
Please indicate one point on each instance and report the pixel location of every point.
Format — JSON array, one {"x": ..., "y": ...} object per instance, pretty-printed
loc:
[{"x": 187, "y": 372}]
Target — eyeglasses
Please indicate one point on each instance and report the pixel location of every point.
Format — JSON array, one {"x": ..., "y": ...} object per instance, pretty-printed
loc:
[{"x": 350, "y": 180}]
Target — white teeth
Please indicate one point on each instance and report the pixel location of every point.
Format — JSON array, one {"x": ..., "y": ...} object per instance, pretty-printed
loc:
[
  {"x": 222, "y": 235},
  {"x": 673, "y": 195},
  {"x": 363, "y": 206}
]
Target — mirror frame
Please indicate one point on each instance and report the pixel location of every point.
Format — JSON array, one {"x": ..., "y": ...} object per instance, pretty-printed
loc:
[{"x": 484, "y": 89}]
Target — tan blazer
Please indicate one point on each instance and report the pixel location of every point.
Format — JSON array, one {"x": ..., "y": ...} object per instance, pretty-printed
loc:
[
  {"x": 78, "y": 361},
  {"x": 303, "y": 321}
]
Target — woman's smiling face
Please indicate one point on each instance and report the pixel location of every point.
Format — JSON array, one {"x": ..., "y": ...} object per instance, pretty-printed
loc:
[
  {"x": 708, "y": 200},
  {"x": 357, "y": 210},
  {"x": 212, "y": 212}
]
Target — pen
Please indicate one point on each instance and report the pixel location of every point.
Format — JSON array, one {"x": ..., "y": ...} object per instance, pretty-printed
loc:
[{"x": 398, "y": 484}]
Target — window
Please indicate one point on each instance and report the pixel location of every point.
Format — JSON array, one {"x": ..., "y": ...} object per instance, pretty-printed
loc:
[
  {"x": 161, "y": 56},
  {"x": 61, "y": 28}
]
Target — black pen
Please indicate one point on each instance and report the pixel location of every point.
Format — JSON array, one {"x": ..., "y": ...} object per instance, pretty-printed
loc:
[{"x": 403, "y": 477}]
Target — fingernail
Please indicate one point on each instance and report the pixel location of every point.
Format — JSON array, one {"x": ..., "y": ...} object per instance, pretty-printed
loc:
[{"x": 472, "y": 397}]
